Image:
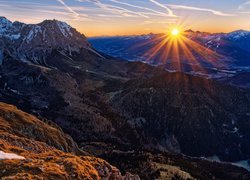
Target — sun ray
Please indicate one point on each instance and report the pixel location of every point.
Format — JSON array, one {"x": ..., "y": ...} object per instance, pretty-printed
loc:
[{"x": 175, "y": 50}]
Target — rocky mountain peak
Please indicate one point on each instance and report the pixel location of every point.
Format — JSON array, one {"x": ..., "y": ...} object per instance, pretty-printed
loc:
[
  {"x": 4, "y": 20},
  {"x": 64, "y": 28},
  {"x": 54, "y": 33},
  {"x": 34, "y": 42},
  {"x": 5, "y": 24},
  {"x": 238, "y": 34}
]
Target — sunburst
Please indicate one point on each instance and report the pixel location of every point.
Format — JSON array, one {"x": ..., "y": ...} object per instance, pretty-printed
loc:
[
  {"x": 175, "y": 32},
  {"x": 175, "y": 47}
]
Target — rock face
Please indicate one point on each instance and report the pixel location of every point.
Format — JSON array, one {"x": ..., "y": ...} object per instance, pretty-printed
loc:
[
  {"x": 34, "y": 150},
  {"x": 34, "y": 42}
]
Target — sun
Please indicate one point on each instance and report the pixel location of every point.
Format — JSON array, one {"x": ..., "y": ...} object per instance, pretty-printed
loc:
[{"x": 175, "y": 32}]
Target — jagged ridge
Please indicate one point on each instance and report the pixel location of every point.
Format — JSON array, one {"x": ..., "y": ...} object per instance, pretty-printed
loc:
[{"x": 35, "y": 42}]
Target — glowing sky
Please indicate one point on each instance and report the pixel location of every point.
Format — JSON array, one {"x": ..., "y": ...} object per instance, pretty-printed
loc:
[{"x": 120, "y": 17}]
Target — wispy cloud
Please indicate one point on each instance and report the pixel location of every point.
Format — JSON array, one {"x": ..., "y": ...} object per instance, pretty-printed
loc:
[
  {"x": 69, "y": 9},
  {"x": 109, "y": 15},
  {"x": 124, "y": 12},
  {"x": 169, "y": 21},
  {"x": 20, "y": 2},
  {"x": 170, "y": 12},
  {"x": 74, "y": 13},
  {"x": 244, "y": 6},
  {"x": 218, "y": 13},
  {"x": 245, "y": 12},
  {"x": 154, "y": 12}
]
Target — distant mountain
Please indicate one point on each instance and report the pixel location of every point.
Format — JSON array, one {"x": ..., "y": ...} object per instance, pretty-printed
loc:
[
  {"x": 233, "y": 45},
  {"x": 118, "y": 110},
  {"x": 215, "y": 56},
  {"x": 241, "y": 38},
  {"x": 121, "y": 46}
]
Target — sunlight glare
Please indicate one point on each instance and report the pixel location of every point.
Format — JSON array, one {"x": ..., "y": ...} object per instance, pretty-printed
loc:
[{"x": 175, "y": 32}]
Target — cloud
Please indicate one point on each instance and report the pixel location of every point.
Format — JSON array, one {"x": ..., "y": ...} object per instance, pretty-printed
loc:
[
  {"x": 169, "y": 21},
  {"x": 218, "y": 13},
  {"x": 170, "y": 12},
  {"x": 72, "y": 10},
  {"x": 75, "y": 14},
  {"x": 155, "y": 13},
  {"x": 109, "y": 15},
  {"x": 115, "y": 9},
  {"x": 245, "y": 12},
  {"x": 19, "y": 2},
  {"x": 244, "y": 6}
]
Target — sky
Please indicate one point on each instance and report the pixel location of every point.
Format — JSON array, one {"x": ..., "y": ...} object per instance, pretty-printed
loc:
[{"x": 129, "y": 17}]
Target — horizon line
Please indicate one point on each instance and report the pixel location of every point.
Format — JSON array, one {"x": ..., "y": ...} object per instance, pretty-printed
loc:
[{"x": 121, "y": 35}]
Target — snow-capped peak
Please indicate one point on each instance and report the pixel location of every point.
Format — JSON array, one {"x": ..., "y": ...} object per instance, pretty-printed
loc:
[
  {"x": 64, "y": 28},
  {"x": 5, "y": 24},
  {"x": 33, "y": 32},
  {"x": 4, "y": 21},
  {"x": 238, "y": 34},
  {"x": 34, "y": 42}
]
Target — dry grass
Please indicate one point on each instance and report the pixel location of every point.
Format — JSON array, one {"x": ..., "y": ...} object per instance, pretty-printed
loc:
[
  {"x": 27, "y": 126},
  {"x": 41, "y": 145},
  {"x": 168, "y": 172}
]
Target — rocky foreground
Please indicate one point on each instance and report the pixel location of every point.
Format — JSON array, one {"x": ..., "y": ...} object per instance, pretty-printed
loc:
[
  {"x": 33, "y": 149},
  {"x": 38, "y": 149}
]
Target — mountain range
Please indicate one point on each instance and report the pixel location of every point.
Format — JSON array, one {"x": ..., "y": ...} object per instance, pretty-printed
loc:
[
  {"x": 140, "y": 118},
  {"x": 220, "y": 56}
]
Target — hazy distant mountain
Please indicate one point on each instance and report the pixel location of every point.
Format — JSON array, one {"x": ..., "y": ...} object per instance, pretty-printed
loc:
[
  {"x": 122, "y": 46},
  {"x": 232, "y": 52},
  {"x": 130, "y": 113},
  {"x": 241, "y": 38}
]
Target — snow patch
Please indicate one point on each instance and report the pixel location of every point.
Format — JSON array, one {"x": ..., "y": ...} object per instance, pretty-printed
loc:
[
  {"x": 64, "y": 28},
  {"x": 14, "y": 91},
  {"x": 13, "y": 36},
  {"x": 92, "y": 50},
  {"x": 4, "y": 155},
  {"x": 238, "y": 34},
  {"x": 213, "y": 158},
  {"x": 244, "y": 163},
  {"x": 33, "y": 33},
  {"x": 5, "y": 24}
]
